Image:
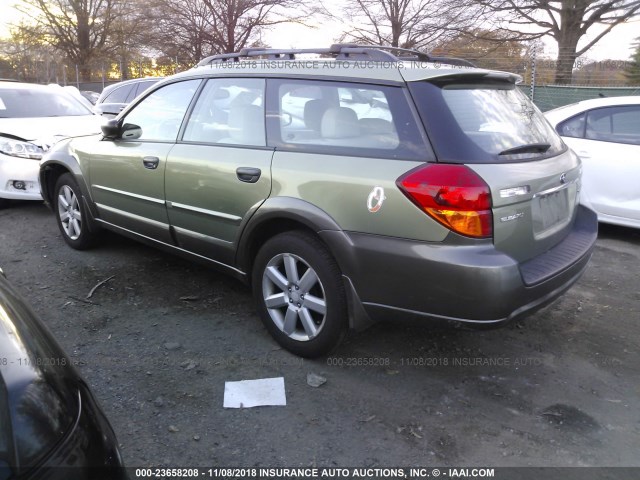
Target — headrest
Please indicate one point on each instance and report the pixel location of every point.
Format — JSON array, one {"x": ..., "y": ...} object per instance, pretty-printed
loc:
[
  {"x": 340, "y": 122},
  {"x": 313, "y": 112},
  {"x": 246, "y": 124}
]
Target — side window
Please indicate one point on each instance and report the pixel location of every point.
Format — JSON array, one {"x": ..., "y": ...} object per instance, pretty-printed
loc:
[
  {"x": 574, "y": 127},
  {"x": 160, "y": 114},
  {"x": 142, "y": 86},
  {"x": 339, "y": 117},
  {"x": 229, "y": 111},
  {"x": 614, "y": 124},
  {"x": 120, "y": 94}
]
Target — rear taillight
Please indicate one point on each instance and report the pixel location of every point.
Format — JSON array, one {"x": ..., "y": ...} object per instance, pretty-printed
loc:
[{"x": 454, "y": 195}]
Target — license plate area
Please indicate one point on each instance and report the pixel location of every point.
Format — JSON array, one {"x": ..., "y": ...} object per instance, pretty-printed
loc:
[{"x": 550, "y": 211}]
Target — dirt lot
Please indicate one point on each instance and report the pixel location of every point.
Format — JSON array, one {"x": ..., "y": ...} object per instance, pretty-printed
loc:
[{"x": 159, "y": 339}]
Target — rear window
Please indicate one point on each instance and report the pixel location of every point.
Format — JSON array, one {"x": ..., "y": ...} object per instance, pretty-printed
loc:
[
  {"x": 120, "y": 94},
  {"x": 23, "y": 103},
  {"x": 142, "y": 86},
  {"x": 483, "y": 121}
]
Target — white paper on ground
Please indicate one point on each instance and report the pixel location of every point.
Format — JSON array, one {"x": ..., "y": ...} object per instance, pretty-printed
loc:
[{"x": 254, "y": 393}]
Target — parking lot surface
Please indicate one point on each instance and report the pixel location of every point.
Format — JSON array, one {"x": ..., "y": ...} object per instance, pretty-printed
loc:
[{"x": 159, "y": 337}]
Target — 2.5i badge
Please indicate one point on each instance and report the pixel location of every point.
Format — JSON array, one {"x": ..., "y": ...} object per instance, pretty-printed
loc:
[{"x": 375, "y": 199}]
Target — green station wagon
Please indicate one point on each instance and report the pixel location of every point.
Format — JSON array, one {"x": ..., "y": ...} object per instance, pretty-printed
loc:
[{"x": 364, "y": 183}]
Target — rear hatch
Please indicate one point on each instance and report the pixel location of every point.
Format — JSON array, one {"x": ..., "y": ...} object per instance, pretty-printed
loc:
[{"x": 483, "y": 121}]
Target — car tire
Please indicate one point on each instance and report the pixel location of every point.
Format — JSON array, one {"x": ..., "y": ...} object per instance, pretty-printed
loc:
[
  {"x": 300, "y": 295},
  {"x": 71, "y": 213}
]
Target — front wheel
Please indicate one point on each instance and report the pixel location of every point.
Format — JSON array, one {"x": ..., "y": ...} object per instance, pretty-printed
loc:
[
  {"x": 300, "y": 295},
  {"x": 71, "y": 213}
]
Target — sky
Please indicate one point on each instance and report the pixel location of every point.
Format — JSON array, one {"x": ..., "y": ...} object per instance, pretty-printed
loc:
[{"x": 616, "y": 45}]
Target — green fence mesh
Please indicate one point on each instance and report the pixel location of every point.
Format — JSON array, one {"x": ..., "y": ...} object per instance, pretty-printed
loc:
[{"x": 552, "y": 96}]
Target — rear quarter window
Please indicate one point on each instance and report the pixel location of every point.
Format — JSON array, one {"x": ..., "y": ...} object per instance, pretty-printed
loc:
[
  {"x": 574, "y": 127},
  {"x": 343, "y": 118}
]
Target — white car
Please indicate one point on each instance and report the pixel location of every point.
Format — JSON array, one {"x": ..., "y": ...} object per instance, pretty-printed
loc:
[
  {"x": 605, "y": 133},
  {"x": 32, "y": 119}
]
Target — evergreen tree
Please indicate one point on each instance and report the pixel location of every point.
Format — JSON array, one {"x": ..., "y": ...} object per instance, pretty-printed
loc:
[{"x": 632, "y": 72}]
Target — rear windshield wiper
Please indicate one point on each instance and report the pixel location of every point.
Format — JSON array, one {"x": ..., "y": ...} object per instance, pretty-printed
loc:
[{"x": 529, "y": 148}]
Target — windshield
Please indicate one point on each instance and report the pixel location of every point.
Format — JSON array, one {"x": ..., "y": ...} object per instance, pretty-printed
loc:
[
  {"x": 483, "y": 121},
  {"x": 32, "y": 103}
]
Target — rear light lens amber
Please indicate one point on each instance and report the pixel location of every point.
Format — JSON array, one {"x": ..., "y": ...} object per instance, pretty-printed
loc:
[{"x": 453, "y": 195}]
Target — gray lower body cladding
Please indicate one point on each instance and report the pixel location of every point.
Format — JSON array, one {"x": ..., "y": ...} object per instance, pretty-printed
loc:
[{"x": 396, "y": 278}]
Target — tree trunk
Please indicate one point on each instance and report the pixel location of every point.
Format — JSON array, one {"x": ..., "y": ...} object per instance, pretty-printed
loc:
[
  {"x": 571, "y": 16},
  {"x": 564, "y": 68},
  {"x": 84, "y": 45},
  {"x": 85, "y": 72}
]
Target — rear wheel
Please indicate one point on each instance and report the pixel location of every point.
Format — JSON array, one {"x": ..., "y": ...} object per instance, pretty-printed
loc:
[
  {"x": 71, "y": 213},
  {"x": 298, "y": 289}
]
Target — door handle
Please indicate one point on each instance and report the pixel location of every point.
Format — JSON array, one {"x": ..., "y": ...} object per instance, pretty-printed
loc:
[
  {"x": 248, "y": 174},
  {"x": 150, "y": 162}
]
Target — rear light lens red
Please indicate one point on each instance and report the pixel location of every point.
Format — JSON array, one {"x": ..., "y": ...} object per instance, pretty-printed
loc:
[{"x": 454, "y": 195}]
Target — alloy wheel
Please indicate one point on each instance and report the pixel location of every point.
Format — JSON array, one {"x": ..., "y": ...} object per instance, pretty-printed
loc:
[
  {"x": 294, "y": 297},
  {"x": 69, "y": 212}
]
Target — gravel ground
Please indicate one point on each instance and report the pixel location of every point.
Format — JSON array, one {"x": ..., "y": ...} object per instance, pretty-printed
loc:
[{"x": 158, "y": 340}]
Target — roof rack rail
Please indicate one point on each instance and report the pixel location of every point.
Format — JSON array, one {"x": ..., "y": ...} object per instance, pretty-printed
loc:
[{"x": 339, "y": 51}]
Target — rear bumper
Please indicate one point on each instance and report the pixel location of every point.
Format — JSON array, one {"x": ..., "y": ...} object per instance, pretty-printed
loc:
[{"x": 395, "y": 278}]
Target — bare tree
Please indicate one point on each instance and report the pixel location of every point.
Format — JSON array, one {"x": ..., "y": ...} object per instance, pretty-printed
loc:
[
  {"x": 235, "y": 24},
  {"x": 78, "y": 28},
  {"x": 181, "y": 29},
  {"x": 129, "y": 36},
  {"x": 28, "y": 58},
  {"x": 193, "y": 29},
  {"x": 403, "y": 23},
  {"x": 566, "y": 21},
  {"x": 488, "y": 50}
]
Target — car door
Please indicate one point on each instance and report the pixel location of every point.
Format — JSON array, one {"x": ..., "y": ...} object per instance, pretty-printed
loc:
[
  {"x": 609, "y": 147},
  {"x": 220, "y": 170},
  {"x": 127, "y": 174}
]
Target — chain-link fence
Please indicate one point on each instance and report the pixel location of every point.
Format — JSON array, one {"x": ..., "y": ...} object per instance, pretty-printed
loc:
[
  {"x": 588, "y": 78},
  {"x": 94, "y": 76}
]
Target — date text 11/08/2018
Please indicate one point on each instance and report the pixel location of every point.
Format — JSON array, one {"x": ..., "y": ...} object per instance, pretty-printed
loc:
[
  {"x": 433, "y": 362},
  {"x": 369, "y": 473}
]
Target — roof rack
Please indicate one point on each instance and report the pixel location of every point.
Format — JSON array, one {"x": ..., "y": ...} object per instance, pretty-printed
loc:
[{"x": 339, "y": 51}]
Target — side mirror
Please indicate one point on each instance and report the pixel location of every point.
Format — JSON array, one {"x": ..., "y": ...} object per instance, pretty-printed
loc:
[
  {"x": 111, "y": 128},
  {"x": 130, "y": 131}
]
